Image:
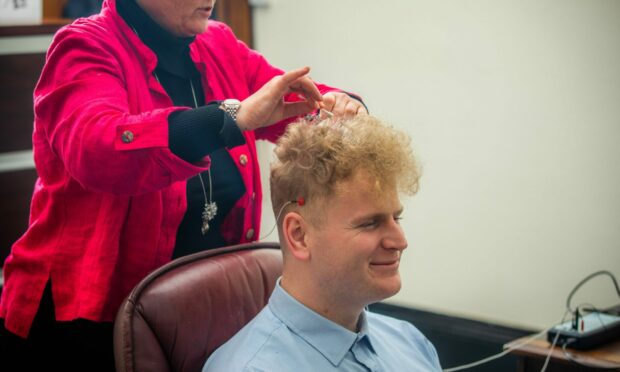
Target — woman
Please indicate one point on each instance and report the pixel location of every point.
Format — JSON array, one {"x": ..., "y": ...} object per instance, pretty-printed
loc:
[{"x": 144, "y": 141}]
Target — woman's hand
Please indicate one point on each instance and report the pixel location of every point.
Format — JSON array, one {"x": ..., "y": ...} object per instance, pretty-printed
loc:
[
  {"x": 267, "y": 106},
  {"x": 342, "y": 105}
]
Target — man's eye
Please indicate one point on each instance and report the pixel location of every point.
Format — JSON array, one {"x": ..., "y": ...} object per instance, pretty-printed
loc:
[{"x": 368, "y": 224}]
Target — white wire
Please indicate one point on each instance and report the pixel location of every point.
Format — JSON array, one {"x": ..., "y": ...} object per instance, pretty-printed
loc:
[
  {"x": 555, "y": 341},
  {"x": 508, "y": 350},
  {"x": 277, "y": 219}
]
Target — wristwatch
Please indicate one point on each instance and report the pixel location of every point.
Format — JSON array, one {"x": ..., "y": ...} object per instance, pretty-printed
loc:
[{"x": 231, "y": 106}]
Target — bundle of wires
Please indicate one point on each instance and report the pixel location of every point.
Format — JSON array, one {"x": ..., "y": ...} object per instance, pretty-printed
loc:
[{"x": 569, "y": 310}]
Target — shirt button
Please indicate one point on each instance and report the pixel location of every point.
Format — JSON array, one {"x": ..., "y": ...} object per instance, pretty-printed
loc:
[
  {"x": 243, "y": 159},
  {"x": 253, "y": 196},
  {"x": 250, "y": 234},
  {"x": 127, "y": 136}
]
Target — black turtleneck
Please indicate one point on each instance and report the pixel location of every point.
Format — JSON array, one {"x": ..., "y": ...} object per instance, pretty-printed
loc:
[{"x": 193, "y": 134}]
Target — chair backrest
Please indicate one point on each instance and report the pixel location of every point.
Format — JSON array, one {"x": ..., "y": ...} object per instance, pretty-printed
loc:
[{"x": 180, "y": 313}]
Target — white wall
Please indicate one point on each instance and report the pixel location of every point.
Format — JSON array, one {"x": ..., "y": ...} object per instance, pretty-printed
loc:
[{"x": 514, "y": 108}]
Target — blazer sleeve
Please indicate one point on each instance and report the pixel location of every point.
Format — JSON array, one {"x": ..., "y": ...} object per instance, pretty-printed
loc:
[{"x": 94, "y": 108}]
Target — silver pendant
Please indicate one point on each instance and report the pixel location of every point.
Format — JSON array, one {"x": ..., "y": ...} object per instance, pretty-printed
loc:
[{"x": 207, "y": 215}]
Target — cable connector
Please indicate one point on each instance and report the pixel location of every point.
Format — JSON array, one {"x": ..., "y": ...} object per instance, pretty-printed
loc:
[{"x": 575, "y": 324}]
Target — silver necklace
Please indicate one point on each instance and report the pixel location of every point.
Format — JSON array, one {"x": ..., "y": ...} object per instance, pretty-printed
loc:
[{"x": 210, "y": 208}]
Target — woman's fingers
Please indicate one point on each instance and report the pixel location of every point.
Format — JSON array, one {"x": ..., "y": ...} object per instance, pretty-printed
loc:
[
  {"x": 342, "y": 105},
  {"x": 266, "y": 106},
  {"x": 298, "y": 108}
]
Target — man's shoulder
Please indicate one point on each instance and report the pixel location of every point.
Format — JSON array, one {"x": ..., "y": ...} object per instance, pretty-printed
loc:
[
  {"x": 247, "y": 350},
  {"x": 394, "y": 335}
]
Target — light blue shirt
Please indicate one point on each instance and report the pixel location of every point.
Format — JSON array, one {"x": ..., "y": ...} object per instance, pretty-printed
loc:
[{"x": 286, "y": 336}]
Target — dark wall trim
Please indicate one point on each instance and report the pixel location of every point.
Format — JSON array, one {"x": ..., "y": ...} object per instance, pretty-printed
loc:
[{"x": 48, "y": 26}]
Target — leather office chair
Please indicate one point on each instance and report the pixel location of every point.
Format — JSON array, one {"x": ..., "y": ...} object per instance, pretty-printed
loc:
[{"x": 180, "y": 313}]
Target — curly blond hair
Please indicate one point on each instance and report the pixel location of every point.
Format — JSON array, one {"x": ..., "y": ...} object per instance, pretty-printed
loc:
[{"x": 312, "y": 159}]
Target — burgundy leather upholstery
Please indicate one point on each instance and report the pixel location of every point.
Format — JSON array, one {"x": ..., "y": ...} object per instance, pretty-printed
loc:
[{"x": 179, "y": 314}]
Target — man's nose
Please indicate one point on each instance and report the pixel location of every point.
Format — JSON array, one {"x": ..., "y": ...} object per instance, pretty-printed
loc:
[{"x": 394, "y": 237}]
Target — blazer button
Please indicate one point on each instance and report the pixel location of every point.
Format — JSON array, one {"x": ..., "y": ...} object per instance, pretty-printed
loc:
[
  {"x": 127, "y": 136},
  {"x": 250, "y": 234},
  {"x": 253, "y": 196},
  {"x": 243, "y": 159}
]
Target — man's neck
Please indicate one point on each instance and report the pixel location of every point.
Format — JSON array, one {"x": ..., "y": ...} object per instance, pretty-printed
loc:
[{"x": 329, "y": 306}]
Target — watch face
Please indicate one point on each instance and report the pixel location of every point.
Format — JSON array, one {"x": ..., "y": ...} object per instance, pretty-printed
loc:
[
  {"x": 231, "y": 106},
  {"x": 232, "y": 102}
]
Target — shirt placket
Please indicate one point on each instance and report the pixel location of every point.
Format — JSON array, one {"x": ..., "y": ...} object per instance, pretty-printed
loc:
[{"x": 364, "y": 355}]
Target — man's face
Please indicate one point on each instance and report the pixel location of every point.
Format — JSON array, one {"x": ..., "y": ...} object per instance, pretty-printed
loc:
[
  {"x": 180, "y": 17},
  {"x": 356, "y": 250}
]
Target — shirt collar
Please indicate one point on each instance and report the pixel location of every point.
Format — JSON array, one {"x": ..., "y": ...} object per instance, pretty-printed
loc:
[
  {"x": 364, "y": 329},
  {"x": 332, "y": 340}
]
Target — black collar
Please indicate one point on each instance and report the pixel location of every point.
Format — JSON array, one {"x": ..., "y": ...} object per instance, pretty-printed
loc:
[{"x": 172, "y": 51}]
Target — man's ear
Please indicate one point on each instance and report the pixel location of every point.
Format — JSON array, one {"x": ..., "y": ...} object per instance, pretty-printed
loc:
[{"x": 295, "y": 229}]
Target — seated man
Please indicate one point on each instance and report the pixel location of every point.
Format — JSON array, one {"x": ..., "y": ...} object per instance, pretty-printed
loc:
[{"x": 335, "y": 191}]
